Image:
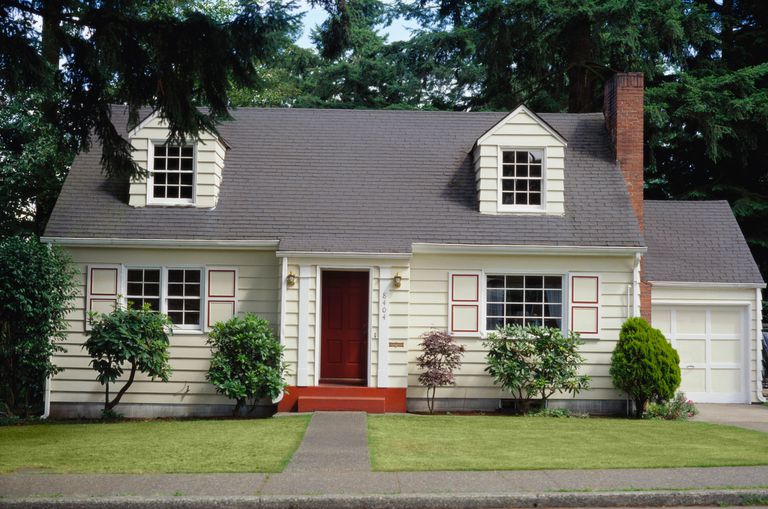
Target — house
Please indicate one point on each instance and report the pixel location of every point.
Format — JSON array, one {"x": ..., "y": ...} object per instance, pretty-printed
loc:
[{"x": 354, "y": 232}]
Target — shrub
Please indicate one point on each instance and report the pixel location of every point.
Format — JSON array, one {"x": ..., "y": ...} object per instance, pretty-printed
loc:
[
  {"x": 679, "y": 408},
  {"x": 137, "y": 337},
  {"x": 37, "y": 283},
  {"x": 440, "y": 357},
  {"x": 535, "y": 361},
  {"x": 644, "y": 364},
  {"x": 247, "y": 360}
]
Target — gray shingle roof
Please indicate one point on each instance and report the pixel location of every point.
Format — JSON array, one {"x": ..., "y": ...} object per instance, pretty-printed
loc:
[
  {"x": 696, "y": 241},
  {"x": 360, "y": 181}
]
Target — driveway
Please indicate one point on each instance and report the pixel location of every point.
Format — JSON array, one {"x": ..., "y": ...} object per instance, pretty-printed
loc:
[{"x": 745, "y": 416}]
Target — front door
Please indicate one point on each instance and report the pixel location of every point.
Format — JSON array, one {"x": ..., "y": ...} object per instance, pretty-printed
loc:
[{"x": 344, "y": 322}]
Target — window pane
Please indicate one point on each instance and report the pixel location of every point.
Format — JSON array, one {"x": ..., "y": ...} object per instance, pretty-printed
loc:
[
  {"x": 134, "y": 289},
  {"x": 495, "y": 282},
  {"x": 553, "y": 322},
  {"x": 192, "y": 276},
  {"x": 533, "y": 310},
  {"x": 159, "y": 163},
  {"x": 186, "y": 164},
  {"x": 186, "y": 151},
  {"x": 160, "y": 178},
  {"x": 534, "y": 281},
  {"x": 553, "y": 282},
  {"x": 152, "y": 275},
  {"x": 534, "y": 296},
  {"x": 508, "y": 171},
  {"x": 191, "y": 289},
  {"x": 173, "y": 179},
  {"x": 514, "y": 310},
  {"x": 177, "y": 317},
  {"x": 514, "y": 296},
  {"x": 514, "y": 321},
  {"x": 160, "y": 150},
  {"x": 154, "y": 304},
  {"x": 173, "y": 151},
  {"x": 172, "y": 192},
  {"x": 175, "y": 276},
  {"x": 536, "y": 170},
  {"x": 176, "y": 304},
  {"x": 509, "y": 157},
  {"x": 508, "y": 199},
  {"x": 151, "y": 289},
  {"x": 534, "y": 185},
  {"x": 533, "y": 321},
  {"x": 158, "y": 192},
  {"x": 521, "y": 199},
  {"x": 553, "y": 296},
  {"x": 521, "y": 157},
  {"x": 535, "y": 156},
  {"x": 192, "y": 319},
  {"x": 514, "y": 281},
  {"x": 495, "y": 310},
  {"x": 186, "y": 179},
  {"x": 521, "y": 185},
  {"x": 186, "y": 192},
  {"x": 507, "y": 185},
  {"x": 495, "y": 295},
  {"x": 134, "y": 275},
  {"x": 534, "y": 199},
  {"x": 553, "y": 310},
  {"x": 176, "y": 290},
  {"x": 493, "y": 323},
  {"x": 521, "y": 171}
]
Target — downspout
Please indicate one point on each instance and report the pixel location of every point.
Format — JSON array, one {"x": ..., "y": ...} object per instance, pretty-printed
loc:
[
  {"x": 636, "y": 286},
  {"x": 46, "y": 399},
  {"x": 759, "y": 350},
  {"x": 283, "y": 298}
]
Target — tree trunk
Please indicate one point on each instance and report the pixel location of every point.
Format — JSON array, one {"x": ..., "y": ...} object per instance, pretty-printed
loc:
[
  {"x": 50, "y": 51},
  {"x": 112, "y": 404},
  {"x": 726, "y": 21},
  {"x": 580, "y": 77},
  {"x": 640, "y": 407}
]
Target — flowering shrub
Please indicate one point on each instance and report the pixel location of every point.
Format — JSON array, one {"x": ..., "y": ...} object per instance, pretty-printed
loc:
[
  {"x": 679, "y": 408},
  {"x": 440, "y": 357},
  {"x": 535, "y": 361}
]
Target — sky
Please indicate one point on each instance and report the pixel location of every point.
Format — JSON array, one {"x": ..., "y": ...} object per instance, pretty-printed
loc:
[{"x": 399, "y": 30}]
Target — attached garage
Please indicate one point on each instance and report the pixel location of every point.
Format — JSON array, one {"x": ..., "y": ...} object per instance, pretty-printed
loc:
[
  {"x": 713, "y": 344},
  {"x": 706, "y": 298}
]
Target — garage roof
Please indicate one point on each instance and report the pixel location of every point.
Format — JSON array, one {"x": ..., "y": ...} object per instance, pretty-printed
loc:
[{"x": 696, "y": 242}]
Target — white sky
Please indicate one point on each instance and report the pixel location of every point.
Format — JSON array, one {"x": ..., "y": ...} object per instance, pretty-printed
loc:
[{"x": 399, "y": 30}]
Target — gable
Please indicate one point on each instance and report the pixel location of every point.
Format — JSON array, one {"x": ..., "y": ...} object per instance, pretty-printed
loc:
[
  {"x": 521, "y": 130},
  {"x": 209, "y": 154}
]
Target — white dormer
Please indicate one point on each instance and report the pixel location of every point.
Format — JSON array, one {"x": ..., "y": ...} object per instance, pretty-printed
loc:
[
  {"x": 180, "y": 175},
  {"x": 519, "y": 166}
]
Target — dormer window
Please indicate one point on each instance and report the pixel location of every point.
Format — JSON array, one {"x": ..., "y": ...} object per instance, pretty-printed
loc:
[
  {"x": 521, "y": 179},
  {"x": 172, "y": 174}
]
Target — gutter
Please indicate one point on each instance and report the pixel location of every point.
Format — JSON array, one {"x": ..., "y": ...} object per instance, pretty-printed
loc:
[
  {"x": 283, "y": 300},
  {"x": 636, "y": 286},
  {"x": 46, "y": 399},
  {"x": 759, "y": 350},
  {"x": 266, "y": 245},
  {"x": 428, "y": 248},
  {"x": 343, "y": 254},
  {"x": 700, "y": 284}
]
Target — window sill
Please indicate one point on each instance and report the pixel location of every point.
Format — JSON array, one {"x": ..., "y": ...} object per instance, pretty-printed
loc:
[
  {"x": 187, "y": 332},
  {"x": 521, "y": 210}
]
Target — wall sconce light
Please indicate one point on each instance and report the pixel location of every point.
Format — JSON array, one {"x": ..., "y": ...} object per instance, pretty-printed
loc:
[
  {"x": 397, "y": 281},
  {"x": 291, "y": 279}
]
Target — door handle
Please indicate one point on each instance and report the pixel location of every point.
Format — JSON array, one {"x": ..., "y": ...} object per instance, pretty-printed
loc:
[{"x": 690, "y": 366}]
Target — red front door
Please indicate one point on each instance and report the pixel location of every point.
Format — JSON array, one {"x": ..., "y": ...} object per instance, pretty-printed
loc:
[{"x": 344, "y": 318}]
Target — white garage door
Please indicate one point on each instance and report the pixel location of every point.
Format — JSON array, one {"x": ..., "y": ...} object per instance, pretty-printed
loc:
[{"x": 712, "y": 345}]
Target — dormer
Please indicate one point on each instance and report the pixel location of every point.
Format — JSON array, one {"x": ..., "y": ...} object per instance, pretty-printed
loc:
[
  {"x": 180, "y": 175},
  {"x": 519, "y": 167}
]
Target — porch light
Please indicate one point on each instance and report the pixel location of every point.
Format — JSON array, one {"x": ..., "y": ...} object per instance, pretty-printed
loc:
[
  {"x": 291, "y": 279},
  {"x": 397, "y": 281}
]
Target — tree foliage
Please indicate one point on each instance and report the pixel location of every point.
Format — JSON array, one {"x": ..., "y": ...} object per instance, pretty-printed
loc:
[
  {"x": 247, "y": 360},
  {"x": 532, "y": 361},
  {"x": 37, "y": 284},
  {"x": 440, "y": 357},
  {"x": 128, "y": 337},
  {"x": 644, "y": 364}
]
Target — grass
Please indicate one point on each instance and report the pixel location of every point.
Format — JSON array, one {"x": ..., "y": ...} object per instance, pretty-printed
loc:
[
  {"x": 153, "y": 446},
  {"x": 420, "y": 443}
]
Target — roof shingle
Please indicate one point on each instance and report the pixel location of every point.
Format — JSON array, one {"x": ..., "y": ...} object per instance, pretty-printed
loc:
[{"x": 360, "y": 181}]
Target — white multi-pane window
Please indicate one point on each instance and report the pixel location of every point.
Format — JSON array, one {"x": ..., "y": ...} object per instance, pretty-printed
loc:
[
  {"x": 173, "y": 172},
  {"x": 183, "y": 297},
  {"x": 521, "y": 177},
  {"x": 143, "y": 287},
  {"x": 523, "y": 300}
]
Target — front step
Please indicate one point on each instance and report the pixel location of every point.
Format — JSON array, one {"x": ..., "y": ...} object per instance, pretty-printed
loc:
[
  {"x": 343, "y": 398},
  {"x": 341, "y": 404}
]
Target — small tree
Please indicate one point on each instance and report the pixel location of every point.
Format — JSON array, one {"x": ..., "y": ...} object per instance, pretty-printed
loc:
[
  {"x": 138, "y": 337},
  {"x": 37, "y": 283},
  {"x": 440, "y": 357},
  {"x": 535, "y": 361},
  {"x": 247, "y": 361},
  {"x": 644, "y": 364}
]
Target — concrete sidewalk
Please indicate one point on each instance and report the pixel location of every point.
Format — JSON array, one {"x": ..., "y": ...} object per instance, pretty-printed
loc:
[
  {"x": 744, "y": 416},
  {"x": 331, "y": 482}
]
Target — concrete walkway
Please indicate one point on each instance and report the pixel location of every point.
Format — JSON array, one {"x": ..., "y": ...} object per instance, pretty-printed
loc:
[
  {"x": 744, "y": 416},
  {"x": 333, "y": 442}
]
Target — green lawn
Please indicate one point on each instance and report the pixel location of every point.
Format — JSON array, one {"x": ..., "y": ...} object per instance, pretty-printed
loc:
[
  {"x": 153, "y": 446},
  {"x": 403, "y": 443}
]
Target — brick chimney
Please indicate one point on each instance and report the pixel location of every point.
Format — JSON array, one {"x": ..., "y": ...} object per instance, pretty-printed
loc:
[{"x": 623, "y": 110}]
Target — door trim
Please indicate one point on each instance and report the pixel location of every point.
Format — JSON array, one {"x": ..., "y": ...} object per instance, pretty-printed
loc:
[
  {"x": 319, "y": 313},
  {"x": 746, "y": 344}
]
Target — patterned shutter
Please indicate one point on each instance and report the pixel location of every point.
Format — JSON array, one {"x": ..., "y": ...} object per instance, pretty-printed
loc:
[
  {"x": 585, "y": 304},
  {"x": 103, "y": 289},
  {"x": 464, "y": 313},
  {"x": 221, "y": 294}
]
